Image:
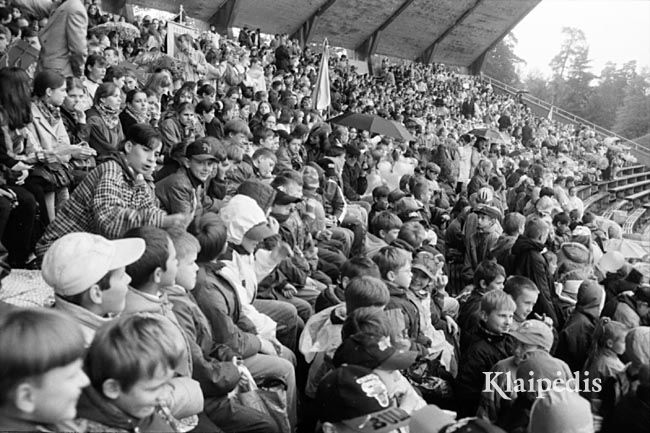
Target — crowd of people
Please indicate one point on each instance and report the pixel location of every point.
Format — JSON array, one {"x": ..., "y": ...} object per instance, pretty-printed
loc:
[{"x": 223, "y": 258}]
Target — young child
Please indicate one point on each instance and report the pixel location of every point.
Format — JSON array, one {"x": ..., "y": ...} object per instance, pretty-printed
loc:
[
  {"x": 607, "y": 345},
  {"x": 367, "y": 343},
  {"x": 130, "y": 364},
  {"x": 216, "y": 366},
  {"x": 383, "y": 230},
  {"x": 354, "y": 267},
  {"x": 155, "y": 270},
  {"x": 87, "y": 273},
  {"x": 395, "y": 269},
  {"x": 264, "y": 161},
  {"x": 487, "y": 276},
  {"x": 479, "y": 244},
  {"x": 486, "y": 347},
  {"x": 41, "y": 375},
  {"x": 513, "y": 226},
  {"x": 524, "y": 292},
  {"x": 379, "y": 201}
]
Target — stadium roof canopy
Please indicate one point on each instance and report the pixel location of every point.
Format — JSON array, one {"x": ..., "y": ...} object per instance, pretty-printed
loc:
[{"x": 454, "y": 32}]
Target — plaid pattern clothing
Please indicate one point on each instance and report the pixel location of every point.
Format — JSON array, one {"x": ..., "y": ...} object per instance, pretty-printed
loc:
[{"x": 108, "y": 202}]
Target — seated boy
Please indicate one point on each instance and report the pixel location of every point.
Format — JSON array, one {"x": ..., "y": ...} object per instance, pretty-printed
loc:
[
  {"x": 215, "y": 365},
  {"x": 534, "y": 339},
  {"x": 487, "y": 346},
  {"x": 185, "y": 190},
  {"x": 524, "y": 292},
  {"x": 130, "y": 364},
  {"x": 395, "y": 269},
  {"x": 216, "y": 295},
  {"x": 513, "y": 226},
  {"x": 488, "y": 276},
  {"x": 383, "y": 230},
  {"x": 155, "y": 270},
  {"x": 357, "y": 266},
  {"x": 367, "y": 343},
  {"x": 379, "y": 201},
  {"x": 87, "y": 273},
  {"x": 41, "y": 370}
]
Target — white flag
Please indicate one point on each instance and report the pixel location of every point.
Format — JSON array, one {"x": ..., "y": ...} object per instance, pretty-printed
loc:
[
  {"x": 320, "y": 97},
  {"x": 550, "y": 113}
]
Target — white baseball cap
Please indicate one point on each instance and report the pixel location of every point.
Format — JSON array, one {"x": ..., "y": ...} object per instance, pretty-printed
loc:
[{"x": 76, "y": 261}]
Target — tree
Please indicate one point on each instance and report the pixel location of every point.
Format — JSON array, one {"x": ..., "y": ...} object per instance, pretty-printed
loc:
[
  {"x": 538, "y": 86},
  {"x": 571, "y": 75},
  {"x": 501, "y": 62},
  {"x": 608, "y": 96},
  {"x": 633, "y": 116}
]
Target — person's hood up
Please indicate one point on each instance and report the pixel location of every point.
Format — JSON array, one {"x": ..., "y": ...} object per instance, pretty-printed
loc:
[
  {"x": 590, "y": 298},
  {"x": 576, "y": 252},
  {"x": 524, "y": 244},
  {"x": 637, "y": 345},
  {"x": 241, "y": 214}
]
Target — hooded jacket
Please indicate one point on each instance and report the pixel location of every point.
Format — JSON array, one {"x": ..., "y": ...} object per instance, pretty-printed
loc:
[
  {"x": 575, "y": 338},
  {"x": 403, "y": 302},
  {"x": 527, "y": 260}
]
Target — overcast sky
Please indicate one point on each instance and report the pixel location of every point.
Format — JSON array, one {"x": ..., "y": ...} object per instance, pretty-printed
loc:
[{"x": 616, "y": 30}]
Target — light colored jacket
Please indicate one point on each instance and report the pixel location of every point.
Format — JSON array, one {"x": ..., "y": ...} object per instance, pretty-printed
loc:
[
  {"x": 47, "y": 137},
  {"x": 63, "y": 40}
]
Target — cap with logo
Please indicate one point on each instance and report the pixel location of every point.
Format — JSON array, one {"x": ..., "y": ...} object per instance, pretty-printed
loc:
[
  {"x": 200, "y": 149},
  {"x": 76, "y": 261},
  {"x": 356, "y": 398}
]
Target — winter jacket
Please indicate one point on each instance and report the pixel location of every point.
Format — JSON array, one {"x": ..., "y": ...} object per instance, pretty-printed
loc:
[
  {"x": 402, "y": 303},
  {"x": 574, "y": 340},
  {"x": 477, "y": 249},
  {"x": 212, "y": 362},
  {"x": 528, "y": 261},
  {"x": 100, "y": 415},
  {"x": 625, "y": 311},
  {"x": 354, "y": 184},
  {"x": 484, "y": 349},
  {"x": 218, "y": 300},
  {"x": 182, "y": 192}
]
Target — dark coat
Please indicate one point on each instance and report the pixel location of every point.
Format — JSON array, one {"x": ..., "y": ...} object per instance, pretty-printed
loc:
[
  {"x": 400, "y": 301},
  {"x": 221, "y": 306},
  {"x": 575, "y": 338},
  {"x": 527, "y": 260},
  {"x": 484, "y": 349},
  {"x": 354, "y": 184}
]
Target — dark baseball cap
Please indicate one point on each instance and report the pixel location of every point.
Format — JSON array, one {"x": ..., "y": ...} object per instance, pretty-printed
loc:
[
  {"x": 373, "y": 351},
  {"x": 200, "y": 149},
  {"x": 357, "y": 399}
]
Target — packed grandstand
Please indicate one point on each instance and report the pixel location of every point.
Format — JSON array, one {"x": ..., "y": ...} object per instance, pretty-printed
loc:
[{"x": 244, "y": 232}]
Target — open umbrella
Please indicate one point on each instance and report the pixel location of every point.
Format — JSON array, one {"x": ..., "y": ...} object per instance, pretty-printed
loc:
[
  {"x": 125, "y": 30},
  {"x": 489, "y": 134},
  {"x": 373, "y": 123}
]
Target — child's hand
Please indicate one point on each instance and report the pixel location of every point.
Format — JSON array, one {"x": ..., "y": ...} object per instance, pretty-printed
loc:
[{"x": 452, "y": 326}]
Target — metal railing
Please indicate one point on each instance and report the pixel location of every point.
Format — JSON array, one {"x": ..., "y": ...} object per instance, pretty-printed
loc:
[{"x": 557, "y": 111}]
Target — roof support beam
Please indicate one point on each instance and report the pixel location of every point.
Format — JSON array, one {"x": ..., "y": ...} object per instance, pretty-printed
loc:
[
  {"x": 427, "y": 54},
  {"x": 224, "y": 18},
  {"x": 303, "y": 33},
  {"x": 477, "y": 64},
  {"x": 368, "y": 47}
]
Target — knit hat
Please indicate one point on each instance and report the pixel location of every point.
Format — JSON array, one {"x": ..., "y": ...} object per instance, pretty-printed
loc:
[
  {"x": 564, "y": 412},
  {"x": 637, "y": 345},
  {"x": 76, "y": 261},
  {"x": 534, "y": 332},
  {"x": 356, "y": 398}
]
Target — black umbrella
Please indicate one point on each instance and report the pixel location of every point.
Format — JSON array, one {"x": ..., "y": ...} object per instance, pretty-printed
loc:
[
  {"x": 489, "y": 134},
  {"x": 373, "y": 123}
]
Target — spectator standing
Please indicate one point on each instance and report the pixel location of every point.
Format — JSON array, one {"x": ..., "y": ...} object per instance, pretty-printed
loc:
[{"x": 63, "y": 40}]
